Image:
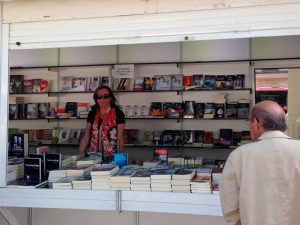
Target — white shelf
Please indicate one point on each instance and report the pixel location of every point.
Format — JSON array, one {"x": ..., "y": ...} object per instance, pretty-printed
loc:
[
  {"x": 164, "y": 202},
  {"x": 64, "y": 199}
]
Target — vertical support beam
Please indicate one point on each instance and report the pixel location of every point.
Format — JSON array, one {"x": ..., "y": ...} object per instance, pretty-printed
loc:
[
  {"x": 4, "y": 102},
  {"x": 29, "y": 216},
  {"x": 136, "y": 218}
]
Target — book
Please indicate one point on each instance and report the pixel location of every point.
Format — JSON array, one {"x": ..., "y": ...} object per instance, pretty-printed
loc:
[
  {"x": 163, "y": 82},
  {"x": 198, "y": 81},
  {"x": 52, "y": 110},
  {"x": 18, "y": 145},
  {"x": 28, "y": 86},
  {"x": 238, "y": 82},
  {"x": 109, "y": 148},
  {"x": 182, "y": 174},
  {"x": 12, "y": 111},
  {"x": 148, "y": 83},
  {"x": 74, "y": 135},
  {"x": 243, "y": 108},
  {"x": 148, "y": 137},
  {"x": 123, "y": 176},
  {"x": 225, "y": 137},
  {"x": 176, "y": 82},
  {"x": 160, "y": 154},
  {"x": 16, "y": 84},
  {"x": 219, "y": 110},
  {"x": 32, "y": 169},
  {"x": 43, "y": 165},
  {"x": 220, "y": 81},
  {"x": 121, "y": 84},
  {"x": 156, "y": 109},
  {"x": 44, "y": 86},
  {"x": 209, "y": 82},
  {"x": 231, "y": 110},
  {"x": 199, "y": 110},
  {"x": 52, "y": 162},
  {"x": 138, "y": 84},
  {"x": 189, "y": 109},
  {"x": 187, "y": 82},
  {"x": 31, "y": 110},
  {"x": 64, "y": 136},
  {"x": 104, "y": 169},
  {"x": 36, "y": 85},
  {"x": 229, "y": 83},
  {"x": 209, "y": 110},
  {"x": 71, "y": 109},
  {"x": 65, "y": 84},
  {"x": 90, "y": 160},
  {"x": 42, "y": 110}
]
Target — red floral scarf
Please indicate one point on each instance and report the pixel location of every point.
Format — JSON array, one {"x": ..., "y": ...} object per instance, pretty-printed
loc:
[{"x": 98, "y": 135}]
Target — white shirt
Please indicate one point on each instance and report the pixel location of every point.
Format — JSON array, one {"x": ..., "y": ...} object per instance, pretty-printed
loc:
[{"x": 260, "y": 183}]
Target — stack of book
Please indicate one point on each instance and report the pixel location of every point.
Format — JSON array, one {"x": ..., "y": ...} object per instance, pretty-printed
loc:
[
  {"x": 181, "y": 180},
  {"x": 201, "y": 182},
  {"x": 161, "y": 180},
  {"x": 15, "y": 168},
  {"x": 121, "y": 180},
  {"x": 76, "y": 171},
  {"x": 141, "y": 181},
  {"x": 64, "y": 183},
  {"x": 90, "y": 160},
  {"x": 101, "y": 176},
  {"x": 56, "y": 175},
  {"x": 216, "y": 176},
  {"x": 83, "y": 182}
]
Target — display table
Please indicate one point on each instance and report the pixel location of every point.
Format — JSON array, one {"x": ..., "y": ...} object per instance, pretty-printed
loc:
[{"x": 165, "y": 202}]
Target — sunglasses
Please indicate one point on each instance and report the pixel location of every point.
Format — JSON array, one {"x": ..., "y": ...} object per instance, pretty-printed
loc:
[{"x": 105, "y": 96}]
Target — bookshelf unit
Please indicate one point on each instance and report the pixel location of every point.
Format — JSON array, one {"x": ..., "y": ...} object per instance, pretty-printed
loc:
[{"x": 54, "y": 73}]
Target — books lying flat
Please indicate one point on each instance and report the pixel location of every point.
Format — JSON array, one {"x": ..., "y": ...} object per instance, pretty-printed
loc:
[
  {"x": 183, "y": 174},
  {"x": 79, "y": 170},
  {"x": 105, "y": 169},
  {"x": 82, "y": 182},
  {"x": 162, "y": 174},
  {"x": 123, "y": 176},
  {"x": 89, "y": 160}
]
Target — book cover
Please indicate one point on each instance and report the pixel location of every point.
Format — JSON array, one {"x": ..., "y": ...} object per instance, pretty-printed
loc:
[
  {"x": 74, "y": 135},
  {"x": 225, "y": 137},
  {"x": 177, "y": 137},
  {"x": 44, "y": 86},
  {"x": 220, "y": 81},
  {"x": 121, "y": 84},
  {"x": 138, "y": 84},
  {"x": 109, "y": 148},
  {"x": 31, "y": 110},
  {"x": 160, "y": 154},
  {"x": 148, "y": 137},
  {"x": 156, "y": 109},
  {"x": 32, "y": 169},
  {"x": 43, "y": 166},
  {"x": 187, "y": 82},
  {"x": 12, "y": 111},
  {"x": 36, "y": 85},
  {"x": 105, "y": 81},
  {"x": 198, "y": 81},
  {"x": 209, "y": 110},
  {"x": 199, "y": 110},
  {"x": 71, "y": 109},
  {"x": 47, "y": 136},
  {"x": 42, "y": 110},
  {"x": 64, "y": 136},
  {"x": 18, "y": 145},
  {"x": 229, "y": 83},
  {"x": 65, "y": 84},
  {"x": 182, "y": 174},
  {"x": 231, "y": 110},
  {"x": 167, "y": 138},
  {"x": 189, "y": 111},
  {"x": 209, "y": 82},
  {"x": 176, "y": 82},
  {"x": 52, "y": 162},
  {"x": 188, "y": 137},
  {"x": 16, "y": 84},
  {"x": 219, "y": 110},
  {"x": 243, "y": 110},
  {"x": 131, "y": 136},
  {"x": 52, "y": 109},
  {"x": 239, "y": 81},
  {"x": 163, "y": 83},
  {"x": 148, "y": 83},
  {"x": 28, "y": 86}
]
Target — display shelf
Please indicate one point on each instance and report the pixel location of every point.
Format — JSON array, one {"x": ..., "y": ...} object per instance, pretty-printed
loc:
[
  {"x": 169, "y": 202},
  {"x": 164, "y": 202},
  {"x": 64, "y": 199}
]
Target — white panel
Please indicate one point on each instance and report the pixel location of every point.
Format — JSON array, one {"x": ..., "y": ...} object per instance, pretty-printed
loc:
[
  {"x": 158, "y": 52},
  {"x": 36, "y": 57},
  {"x": 165, "y": 27},
  {"x": 88, "y": 55},
  {"x": 214, "y": 50},
  {"x": 276, "y": 47}
]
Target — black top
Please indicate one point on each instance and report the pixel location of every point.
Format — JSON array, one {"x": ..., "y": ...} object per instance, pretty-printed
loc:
[{"x": 120, "y": 116}]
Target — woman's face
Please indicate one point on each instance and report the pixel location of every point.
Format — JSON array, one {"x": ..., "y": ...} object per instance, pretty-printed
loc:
[{"x": 103, "y": 98}]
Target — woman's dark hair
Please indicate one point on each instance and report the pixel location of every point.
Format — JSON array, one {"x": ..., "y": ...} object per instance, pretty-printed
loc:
[{"x": 113, "y": 98}]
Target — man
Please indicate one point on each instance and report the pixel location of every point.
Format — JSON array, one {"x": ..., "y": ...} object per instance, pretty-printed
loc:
[{"x": 260, "y": 184}]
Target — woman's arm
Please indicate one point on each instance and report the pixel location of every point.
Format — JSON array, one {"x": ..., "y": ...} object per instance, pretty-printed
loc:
[
  {"x": 85, "y": 140},
  {"x": 120, "y": 129}
]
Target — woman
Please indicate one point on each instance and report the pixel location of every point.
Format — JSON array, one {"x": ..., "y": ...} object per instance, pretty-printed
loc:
[{"x": 105, "y": 124}]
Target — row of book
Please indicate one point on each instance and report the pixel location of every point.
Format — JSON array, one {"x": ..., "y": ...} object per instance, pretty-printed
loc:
[
  {"x": 19, "y": 85},
  {"x": 82, "y": 84},
  {"x": 180, "y": 82},
  {"x": 189, "y": 109},
  {"x": 48, "y": 110}
]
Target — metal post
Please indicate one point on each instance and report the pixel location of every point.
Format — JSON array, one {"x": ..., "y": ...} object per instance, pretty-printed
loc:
[{"x": 29, "y": 216}]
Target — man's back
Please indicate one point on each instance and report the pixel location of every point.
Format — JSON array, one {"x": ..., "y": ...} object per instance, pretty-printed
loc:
[{"x": 267, "y": 174}]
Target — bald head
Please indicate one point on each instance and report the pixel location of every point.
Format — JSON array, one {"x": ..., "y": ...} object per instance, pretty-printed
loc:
[{"x": 270, "y": 114}]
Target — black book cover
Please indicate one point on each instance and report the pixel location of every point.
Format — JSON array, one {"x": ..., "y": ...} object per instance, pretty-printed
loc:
[
  {"x": 229, "y": 82},
  {"x": 209, "y": 82},
  {"x": 16, "y": 84},
  {"x": 32, "y": 169},
  {"x": 226, "y": 137},
  {"x": 198, "y": 81},
  {"x": 18, "y": 145},
  {"x": 43, "y": 167},
  {"x": 219, "y": 110},
  {"x": 220, "y": 81},
  {"x": 243, "y": 110},
  {"x": 156, "y": 109},
  {"x": 231, "y": 110},
  {"x": 199, "y": 110},
  {"x": 189, "y": 109},
  {"x": 42, "y": 110},
  {"x": 148, "y": 83},
  {"x": 52, "y": 162},
  {"x": 239, "y": 81},
  {"x": 177, "y": 137},
  {"x": 167, "y": 137},
  {"x": 188, "y": 137},
  {"x": 71, "y": 109}
]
